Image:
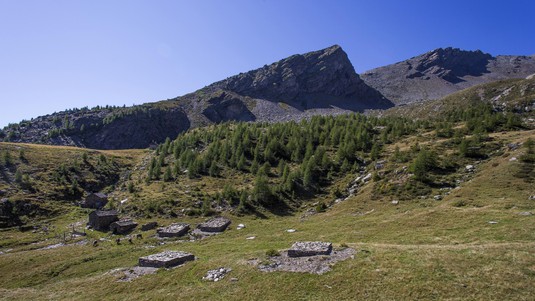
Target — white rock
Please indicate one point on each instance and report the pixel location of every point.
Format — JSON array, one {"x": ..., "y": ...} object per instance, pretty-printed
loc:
[
  {"x": 367, "y": 178},
  {"x": 512, "y": 159},
  {"x": 493, "y": 222},
  {"x": 469, "y": 167},
  {"x": 251, "y": 237},
  {"x": 290, "y": 230},
  {"x": 395, "y": 202}
]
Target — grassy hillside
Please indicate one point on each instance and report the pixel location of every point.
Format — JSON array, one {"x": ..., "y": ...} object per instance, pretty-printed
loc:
[
  {"x": 418, "y": 249},
  {"x": 424, "y": 226},
  {"x": 43, "y": 181}
]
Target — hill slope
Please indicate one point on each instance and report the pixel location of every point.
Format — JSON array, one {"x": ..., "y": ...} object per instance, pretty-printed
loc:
[
  {"x": 440, "y": 72},
  {"x": 475, "y": 242},
  {"x": 512, "y": 95}
]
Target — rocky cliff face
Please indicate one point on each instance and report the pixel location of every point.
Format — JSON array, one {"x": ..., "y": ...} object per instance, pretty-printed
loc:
[
  {"x": 295, "y": 79},
  {"x": 117, "y": 128},
  {"x": 319, "y": 82},
  {"x": 441, "y": 72}
]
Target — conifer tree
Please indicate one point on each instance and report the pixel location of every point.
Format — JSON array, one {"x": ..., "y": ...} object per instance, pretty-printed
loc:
[{"x": 168, "y": 174}]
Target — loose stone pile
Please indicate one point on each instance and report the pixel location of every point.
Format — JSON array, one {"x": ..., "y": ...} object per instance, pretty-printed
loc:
[{"x": 217, "y": 274}]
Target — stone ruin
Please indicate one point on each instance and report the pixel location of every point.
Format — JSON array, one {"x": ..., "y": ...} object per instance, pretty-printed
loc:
[
  {"x": 101, "y": 220},
  {"x": 123, "y": 226},
  {"x": 149, "y": 226},
  {"x": 310, "y": 248},
  {"x": 173, "y": 230},
  {"x": 218, "y": 224},
  {"x": 165, "y": 259}
]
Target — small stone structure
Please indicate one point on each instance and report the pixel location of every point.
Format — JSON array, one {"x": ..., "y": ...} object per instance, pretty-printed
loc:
[
  {"x": 218, "y": 224},
  {"x": 165, "y": 259},
  {"x": 310, "y": 248},
  {"x": 102, "y": 219},
  {"x": 149, "y": 226},
  {"x": 173, "y": 230},
  {"x": 95, "y": 201},
  {"x": 123, "y": 226}
]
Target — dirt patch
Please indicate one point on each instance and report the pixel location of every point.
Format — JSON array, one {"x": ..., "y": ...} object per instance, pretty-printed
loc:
[{"x": 310, "y": 264}]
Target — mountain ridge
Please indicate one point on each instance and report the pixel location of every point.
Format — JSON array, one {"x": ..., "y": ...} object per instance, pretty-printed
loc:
[{"x": 443, "y": 71}]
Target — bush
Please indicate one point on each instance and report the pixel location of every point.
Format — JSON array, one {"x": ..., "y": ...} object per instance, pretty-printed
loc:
[
  {"x": 459, "y": 203},
  {"x": 272, "y": 253},
  {"x": 321, "y": 207}
]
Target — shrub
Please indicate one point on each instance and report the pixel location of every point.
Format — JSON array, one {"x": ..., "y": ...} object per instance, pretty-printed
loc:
[
  {"x": 272, "y": 253},
  {"x": 459, "y": 203},
  {"x": 321, "y": 207}
]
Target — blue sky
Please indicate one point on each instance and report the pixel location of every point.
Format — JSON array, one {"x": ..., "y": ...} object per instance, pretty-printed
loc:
[{"x": 58, "y": 54}]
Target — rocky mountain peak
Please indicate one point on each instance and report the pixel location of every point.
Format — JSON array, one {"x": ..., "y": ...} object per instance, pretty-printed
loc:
[{"x": 327, "y": 72}]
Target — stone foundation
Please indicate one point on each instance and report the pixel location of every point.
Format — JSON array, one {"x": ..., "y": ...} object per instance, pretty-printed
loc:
[
  {"x": 165, "y": 259},
  {"x": 218, "y": 224},
  {"x": 310, "y": 248},
  {"x": 173, "y": 230}
]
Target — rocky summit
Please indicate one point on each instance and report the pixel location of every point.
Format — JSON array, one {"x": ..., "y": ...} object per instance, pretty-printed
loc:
[
  {"x": 322, "y": 82},
  {"x": 443, "y": 71},
  {"x": 300, "y": 79}
]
